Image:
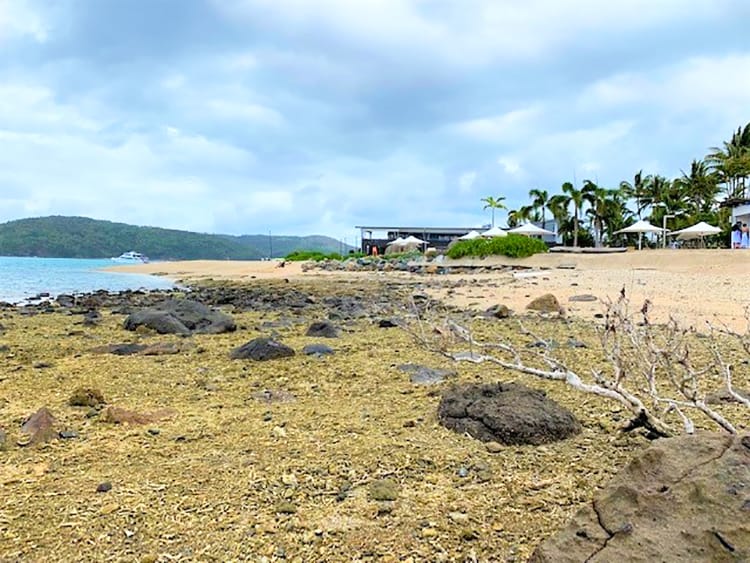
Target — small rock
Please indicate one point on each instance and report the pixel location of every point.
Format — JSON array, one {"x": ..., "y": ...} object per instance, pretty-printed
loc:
[
  {"x": 429, "y": 533},
  {"x": 322, "y": 329},
  {"x": 422, "y": 375},
  {"x": 547, "y": 303},
  {"x": 566, "y": 266},
  {"x": 286, "y": 507},
  {"x": 104, "y": 487},
  {"x": 387, "y": 323},
  {"x": 499, "y": 312},
  {"x": 317, "y": 350},
  {"x": 384, "y": 489},
  {"x": 68, "y": 434},
  {"x": 39, "y": 427},
  {"x": 154, "y": 431},
  {"x": 86, "y": 397},
  {"x": 3, "y": 440},
  {"x": 458, "y": 517},
  {"x": 262, "y": 349},
  {"x": 583, "y": 298},
  {"x": 494, "y": 447},
  {"x": 279, "y": 432},
  {"x": 462, "y": 472}
]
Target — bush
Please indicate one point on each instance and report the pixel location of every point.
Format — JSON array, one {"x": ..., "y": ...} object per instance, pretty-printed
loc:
[
  {"x": 513, "y": 246},
  {"x": 317, "y": 256}
]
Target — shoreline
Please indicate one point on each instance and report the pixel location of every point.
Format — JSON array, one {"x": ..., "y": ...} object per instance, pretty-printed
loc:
[{"x": 693, "y": 286}]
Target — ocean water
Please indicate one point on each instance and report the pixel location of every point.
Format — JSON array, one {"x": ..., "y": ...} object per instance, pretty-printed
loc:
[{"x": 22, "y": 278}]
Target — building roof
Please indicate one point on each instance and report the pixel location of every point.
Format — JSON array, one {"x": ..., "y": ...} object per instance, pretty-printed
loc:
[{"x": 442, "y": 230}]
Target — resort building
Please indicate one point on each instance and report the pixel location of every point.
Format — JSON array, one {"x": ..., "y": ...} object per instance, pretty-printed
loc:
[
  {"x": 435, "y": 237},
  {"x": 739, "y": 207}
]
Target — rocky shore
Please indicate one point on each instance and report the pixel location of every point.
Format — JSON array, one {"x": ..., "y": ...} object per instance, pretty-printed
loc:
[{"x": 299, "y": 420}]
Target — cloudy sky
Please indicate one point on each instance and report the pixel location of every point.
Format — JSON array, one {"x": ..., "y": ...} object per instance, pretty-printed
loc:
[{"x": 313, "y": 116}]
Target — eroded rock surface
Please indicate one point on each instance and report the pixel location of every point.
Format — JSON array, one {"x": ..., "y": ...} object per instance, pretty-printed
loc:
[{"x": 683, "y": 499}]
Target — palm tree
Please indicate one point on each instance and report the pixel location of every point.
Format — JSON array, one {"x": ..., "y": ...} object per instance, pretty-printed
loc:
[
  {"x": 700, "y": 188},
  {"x": 493, "y": 203},
  {"x": 638, "y": 191},
  {"x": 558, "y": 206},
  {"x": 577, "y": 198},
  {"x": 540, "y": 200},
  {"x": 732, "y": 162}
]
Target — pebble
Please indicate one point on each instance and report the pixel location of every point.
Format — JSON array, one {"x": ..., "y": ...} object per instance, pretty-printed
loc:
[
  {"x": 428, "y": 533},
  {"x": 462, "y": 472},
  {"x": 494, "y": 447},
  {"x": 104, "y": 487},
  {"x": 279, "y": 432},
  {"x": 68, "y": 434},
  {"x": 154, "y": 431},
  {"x": 384, "y": 489},
  {"x": 459, "y": 517},
  {"x": 109, "y": 509},
  {"x": 286, "y": 507}
]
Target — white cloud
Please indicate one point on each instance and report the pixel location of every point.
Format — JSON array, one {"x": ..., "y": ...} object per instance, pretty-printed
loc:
[
  {"x": 497, "y": 128},
  {"x": 246, "y": 111},
  {"x": 510, "y": 165},
  {"x": 19, "y": 19}
]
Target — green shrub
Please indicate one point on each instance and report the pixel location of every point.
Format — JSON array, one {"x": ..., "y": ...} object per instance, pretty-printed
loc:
[
  {"x": 317, "y": 256},
  {"x": 513, "y": 246}
]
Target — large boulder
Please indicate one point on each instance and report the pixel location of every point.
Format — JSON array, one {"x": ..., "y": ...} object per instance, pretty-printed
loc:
[
  {"x": 508, "y": 413},
  {"x": 682, "y": 499},
  {"x": 181, "y": 316},
  {"x": 261, "y": 349}
]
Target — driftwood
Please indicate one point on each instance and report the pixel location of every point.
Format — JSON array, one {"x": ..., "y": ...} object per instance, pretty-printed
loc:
[{"x": 651, "y": 370}]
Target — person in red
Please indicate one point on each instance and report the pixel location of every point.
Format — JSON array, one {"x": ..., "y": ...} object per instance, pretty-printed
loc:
[{"x": 374, "y": 250}]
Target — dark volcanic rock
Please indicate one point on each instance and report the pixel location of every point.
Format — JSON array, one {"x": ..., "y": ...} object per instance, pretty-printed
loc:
[
  {"x": 181, "y": 316},
  {"x": 387, "y": 323},
  {"x": 126, "y": 349},
  {"x": 499, "y": 312},
  {"x": 322, "y": 329},
  {"x": 160, "y": 321},
  {"x": 682, "y": 499},
  {"x": 261, "y": 349},
  {"x": 507, "y": 413},
  {"x": 422, "y": 375},
  {"x": 317, "y": 350}
]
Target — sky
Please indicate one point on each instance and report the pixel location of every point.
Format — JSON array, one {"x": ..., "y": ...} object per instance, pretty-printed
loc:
[{"x": 314, "y": 116}]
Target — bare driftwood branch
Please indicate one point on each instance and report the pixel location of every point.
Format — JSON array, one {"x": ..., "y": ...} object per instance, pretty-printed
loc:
[{"x": 651, "y": 369}]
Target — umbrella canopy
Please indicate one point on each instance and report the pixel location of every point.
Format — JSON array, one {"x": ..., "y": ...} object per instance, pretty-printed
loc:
[
  {"x": 699, "y": 230},
  {"x": 640, "y": 227},
  {"x": 398, "y": 242},
  {"x": 413, "y": 240},
  {"x": 529, "y": 229},
  {"x": 494, "y": 232},
  {"x": 471, "y": 235}
]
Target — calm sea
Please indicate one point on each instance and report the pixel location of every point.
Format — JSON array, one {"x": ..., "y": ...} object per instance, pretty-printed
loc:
[{"x": 21, "y": 278}]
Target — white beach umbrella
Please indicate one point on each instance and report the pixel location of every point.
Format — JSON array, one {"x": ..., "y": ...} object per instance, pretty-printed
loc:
[
  {"x": 529, "y": 229},
  {"x": 494, "y": 232},
  {"x": 413, "y": 240},
  {"x": 398, "y": 242},
  {"x": 471, "y": 235},
  {"x": 640, "y": 227},
  {"x": 699, "y": 230}
]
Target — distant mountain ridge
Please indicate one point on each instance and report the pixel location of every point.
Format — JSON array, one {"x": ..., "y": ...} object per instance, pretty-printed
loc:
[{"x": 82, "y": 237}]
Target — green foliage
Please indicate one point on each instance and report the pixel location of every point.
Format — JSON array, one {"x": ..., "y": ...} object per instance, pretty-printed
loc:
[
  {"x": 80, "y": 237},
  {"x": 316, "y": 256},
  {"x": 513, "y": 246}
]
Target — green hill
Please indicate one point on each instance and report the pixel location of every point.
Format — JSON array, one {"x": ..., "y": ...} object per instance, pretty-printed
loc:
[{"x": 81, "y": 237}]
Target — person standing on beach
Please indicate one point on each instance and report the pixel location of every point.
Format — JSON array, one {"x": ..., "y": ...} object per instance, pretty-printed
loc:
[
  {"x": 736, "y": 240},
  {"x": 745, "y": 240}
]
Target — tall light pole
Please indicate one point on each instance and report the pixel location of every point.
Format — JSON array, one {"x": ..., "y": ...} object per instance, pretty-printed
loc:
[{"x": 664, "y": 228}]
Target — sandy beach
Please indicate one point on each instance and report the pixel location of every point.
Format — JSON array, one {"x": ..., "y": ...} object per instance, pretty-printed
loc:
[{"x": 694, "y": 286}]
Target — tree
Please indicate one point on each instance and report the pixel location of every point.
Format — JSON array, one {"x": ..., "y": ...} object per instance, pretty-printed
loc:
[
  {"x": 493, "y": 203},
  {"x": 577, "y": 198},
  {"x": 731, "y": 162},
  {"x": 539, "y": 201},
  {"x": 638, "y": 191}
]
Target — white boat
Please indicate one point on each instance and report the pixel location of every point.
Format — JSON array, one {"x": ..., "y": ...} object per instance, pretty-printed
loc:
[{"x": 131, "y": 258}]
